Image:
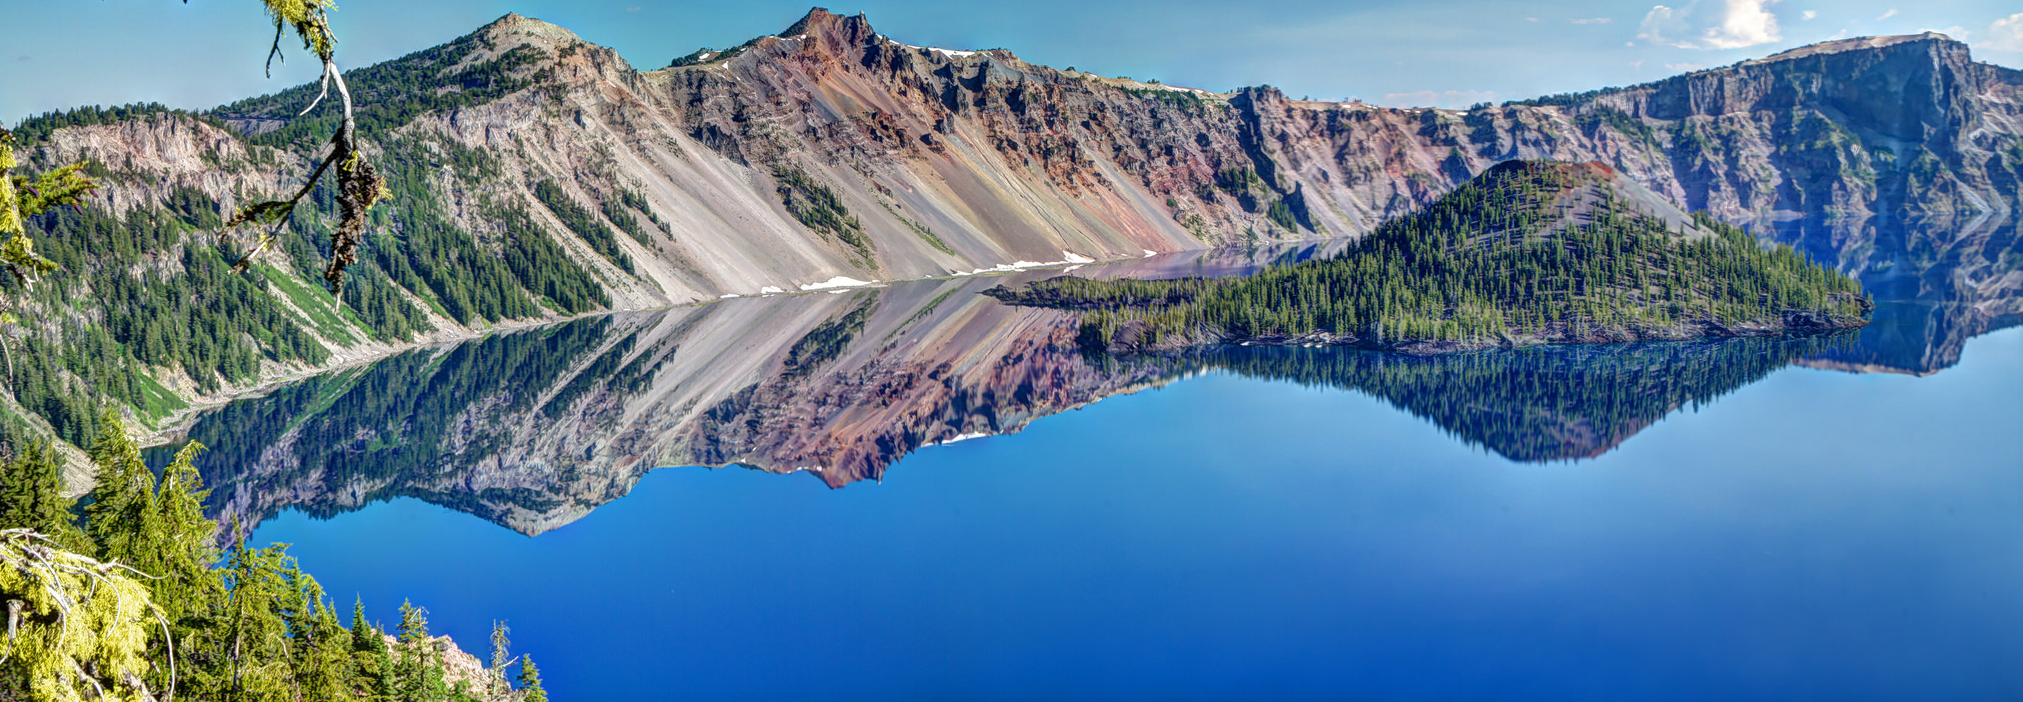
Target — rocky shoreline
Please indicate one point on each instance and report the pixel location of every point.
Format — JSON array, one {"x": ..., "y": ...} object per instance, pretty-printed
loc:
[{"x": 1794, "y": 323}]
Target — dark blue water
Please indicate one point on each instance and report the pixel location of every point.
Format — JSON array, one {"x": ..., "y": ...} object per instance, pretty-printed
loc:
[{"x": 1812, "y": 535}]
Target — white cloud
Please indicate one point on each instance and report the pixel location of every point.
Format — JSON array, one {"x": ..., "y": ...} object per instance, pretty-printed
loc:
[
  {"x": 1683, "y": 67},
  {"x": 1887, "y": 15},
  {"x": 1718, "y": 24},
  {"x": 2005, "y": 34},
  {"x": 1452, "y": 99},
  {"x": 1592, "y": 20},
  {"x": 1808, "y": 14}
]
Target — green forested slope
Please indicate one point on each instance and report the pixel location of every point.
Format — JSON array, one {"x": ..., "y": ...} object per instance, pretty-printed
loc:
[
  {"x": 147, "y": 311},
  {"x": 1535, "y": 251}
]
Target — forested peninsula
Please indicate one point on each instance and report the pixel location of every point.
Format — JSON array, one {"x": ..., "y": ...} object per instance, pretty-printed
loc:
[{"x": 1530, "y": 252}]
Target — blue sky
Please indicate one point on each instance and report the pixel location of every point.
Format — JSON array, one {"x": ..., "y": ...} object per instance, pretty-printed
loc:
[{"x": 62, "y": 53}]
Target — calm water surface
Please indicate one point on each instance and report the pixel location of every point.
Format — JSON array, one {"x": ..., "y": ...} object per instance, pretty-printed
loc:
[{"x": 1812, "y": 535}]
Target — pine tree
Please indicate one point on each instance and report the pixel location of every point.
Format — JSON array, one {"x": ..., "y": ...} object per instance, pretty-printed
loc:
[
  {"x": 255, "y": 632},
  {"x": 418, "y": 666},
  {"x": 387, "y": 679},
  {"x": 370, "y": 657},
  {"x": 183, "y": 537},
  {"x": 31, "y": 497},
  {"x": 160, "y": 529},
  {"x": 362, "y": 634},
  {"x": 117, "y": 518},
  {"x": 324, "y": 668},
  {"x": 530, "y": 682}
]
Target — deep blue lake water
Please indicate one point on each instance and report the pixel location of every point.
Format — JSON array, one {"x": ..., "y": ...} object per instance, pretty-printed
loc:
[{"x": 1813, "y": 535}]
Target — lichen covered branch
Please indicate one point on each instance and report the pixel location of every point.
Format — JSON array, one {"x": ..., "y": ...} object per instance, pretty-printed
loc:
[{"x": 358, "y": 182}]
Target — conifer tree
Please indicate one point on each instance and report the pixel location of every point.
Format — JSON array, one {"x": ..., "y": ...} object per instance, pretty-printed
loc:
[
  {"x": 117, "y": 518},
  {"x": 530, "y": 682},
  {"x": 370, "y": 657},
  {"x": 31, "y": 497},
  {"x": 418, "y": 666},
  {"x": 254, "y": 631},
  {"x": 183, "y": 538},
  {"x": 324, "y": 668}
]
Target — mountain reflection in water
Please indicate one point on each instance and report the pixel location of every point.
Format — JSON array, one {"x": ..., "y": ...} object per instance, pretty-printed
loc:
[
  {"x": 1536, "y": 404},
  {"x": 535, "y": 428}
]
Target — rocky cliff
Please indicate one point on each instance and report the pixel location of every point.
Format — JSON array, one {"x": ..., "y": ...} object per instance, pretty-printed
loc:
[{"x": 536, "y": 176}]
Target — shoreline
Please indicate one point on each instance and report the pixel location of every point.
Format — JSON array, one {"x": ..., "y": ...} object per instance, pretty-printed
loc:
[
  {"x": 180, "y": 421},
  {"x": 1812, "y": 324}
]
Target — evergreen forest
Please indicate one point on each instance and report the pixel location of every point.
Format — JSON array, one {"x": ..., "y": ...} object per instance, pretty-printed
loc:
[
  {"x": 1535, "y": 404},
  {"x": 128, "y": 597},
  {"x": 1528, "y": 250},
  {"x": 147, "y": 311}
]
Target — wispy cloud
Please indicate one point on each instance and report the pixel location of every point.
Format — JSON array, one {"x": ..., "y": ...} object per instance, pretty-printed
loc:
[
  {"x": 1452, "y": 99},
  {"x": 1594, "y": 20},
  {"x": 1720, "y": 24},
  {"x": 2005, "y": 34},
  {"x": 1891, "y": 13},
  {"x": 1808, "y": 14},
  {"x": 1683, "y": 67}
]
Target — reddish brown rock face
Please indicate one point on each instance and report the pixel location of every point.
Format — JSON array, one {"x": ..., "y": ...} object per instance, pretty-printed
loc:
[
  {"x": 1900, "y": 156},
  {"x": 1900, "y": 159},
  {"x": 957, "y": 160}
]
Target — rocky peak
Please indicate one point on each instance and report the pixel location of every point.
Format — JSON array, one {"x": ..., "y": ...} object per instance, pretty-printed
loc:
[
  {"x": 836, "y": 35},
  {"x": 572, "y": 59},
  {"x": 820, "y": 22},
  {"x": 514, "y": 24}
]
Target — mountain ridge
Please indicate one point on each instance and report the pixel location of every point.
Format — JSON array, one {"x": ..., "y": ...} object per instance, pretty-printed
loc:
[{"x": 837, "y": 155}]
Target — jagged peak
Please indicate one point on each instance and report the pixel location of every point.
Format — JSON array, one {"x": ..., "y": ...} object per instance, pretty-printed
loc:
[
  {"x": 835, "y": 32},
  {"x": 1860, "y": 44},
  {"x": 817, "y": 19},
  {"x": 825, "y": 28}
]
